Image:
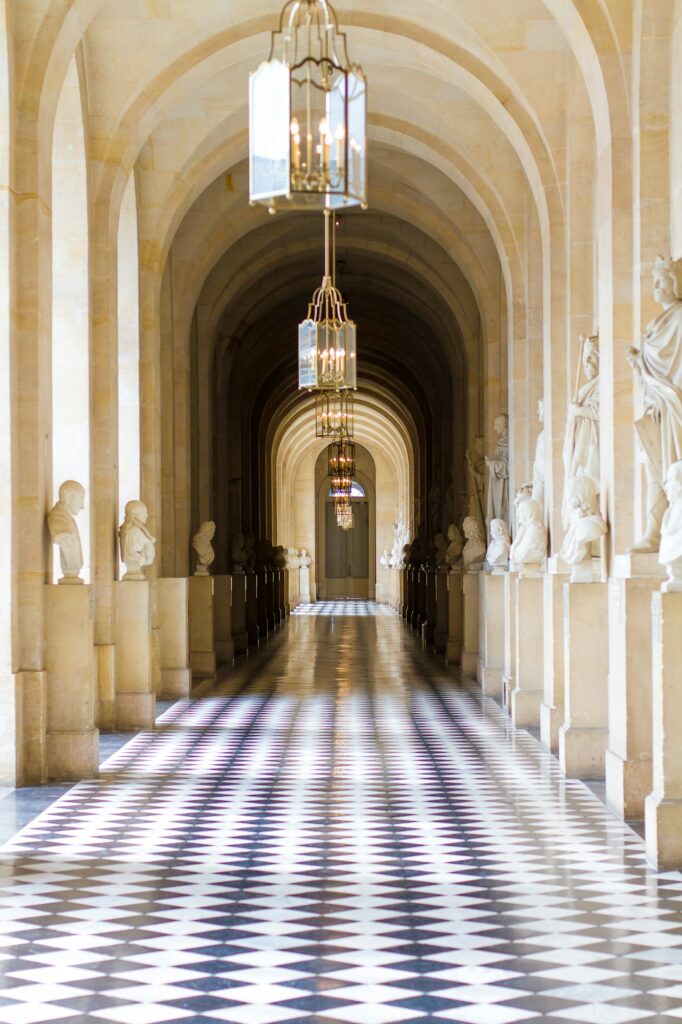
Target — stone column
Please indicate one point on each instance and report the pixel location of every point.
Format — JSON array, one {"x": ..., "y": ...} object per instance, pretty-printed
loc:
[
  {"x": 509, "y": 671},
  {"x": 453, "y": 652},
  {"x": 552, "y": 707},
  {"x": 428, "y": 627},
  {"x": 663, "y": 807},
  {"x": 201, "y": 631},
  {"x": 629, "y": 765},
  {"x": 528, "y": 690},
  {"x": 222, "y": 619},
  {"x": 252, "y": 631},
  {"x": 491, "y": 625},
  {"x": 72, "y": 739},
  {"x": 135, "y": 699},
  {"x": 176, "y": 677},
  {"x": 584, "y": 735},
  {"x": 441, "y": 637},
  {"x": 470, "y": 591},
  {"x": 239, "y": 633}
]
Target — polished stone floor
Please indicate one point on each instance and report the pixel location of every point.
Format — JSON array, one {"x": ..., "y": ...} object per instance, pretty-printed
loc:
[{"x": 340, "y": 832}]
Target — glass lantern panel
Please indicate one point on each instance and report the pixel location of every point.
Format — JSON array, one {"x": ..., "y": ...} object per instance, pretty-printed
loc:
[
  {"x": 348, "y": 341},
  {"x": 269, "y": 131},
  {"x": 357, "y": 138},
  {"x": 338, "y": 131},
  {"x": 307, "y": 354}
]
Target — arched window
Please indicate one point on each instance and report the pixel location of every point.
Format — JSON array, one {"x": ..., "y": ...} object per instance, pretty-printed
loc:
[
  {"x": 70, "y": 305},
  {"x": 356, "y": 490}
]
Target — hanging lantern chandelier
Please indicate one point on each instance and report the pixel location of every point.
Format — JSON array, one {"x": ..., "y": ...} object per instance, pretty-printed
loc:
[
  {"x": 327, "y": 338},
  {"x": 307, "y": 138},
  {"x": 341, "y": 458},
  {"x": 345, "y": 518},
  {"x": 334, "y": 415}
]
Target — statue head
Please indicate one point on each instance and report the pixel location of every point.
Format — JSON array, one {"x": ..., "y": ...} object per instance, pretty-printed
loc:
[
  {"x": 207, "y": 530},
  {"x": 583, "y": 495},
  {"x": 667, "y": 275},
  {"x": 501, "y": 424},
  {"x": 591, "y": 355},
  {"x": 453, "y": 532},
  {"x": 523, "y": 494},
  {"x": 472, "y": 530},
  {"x": 72, "y": 496},
  {"x": 529, "y": 511},
  {"x": 673, "y": 483},
  {"x": 136, "y": 511},
  {"x": 498, "y": 528}
]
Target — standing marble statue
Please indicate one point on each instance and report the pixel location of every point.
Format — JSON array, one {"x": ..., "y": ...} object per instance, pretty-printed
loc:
[
  {"x": 474, "y": 549},
  {"x": 538, "y": 487},
  {"x": 137, "y": 543},
  {"x": 498, "y": 473},
  {"x": 659, "y": 364},
  {"x": 585, "y": 523},
  {"x": 530, "y": 544},
  {"x": 670, "y": 553},
  {"x": 61, "y": 523},
  {"x": 581, "y": 442},
  {"x": 201, "y": 542},
  {"x": 476, "y": 472},
  {"x": 500, "y": 542}
]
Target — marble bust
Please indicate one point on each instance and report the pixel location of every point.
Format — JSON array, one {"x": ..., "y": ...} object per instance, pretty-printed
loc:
[
  {"x": 498, "y": 473},
  {"x": 201, "y": 542},
  {"x": 530, "y": 544},
  {"x": 61, "y": 522},
  {"x": 292, "y": 559},
  {"x": 585, "y": 523},
  {"x": 670, "y": 553},
  {"x": 581, "y": 441},
  {"x": 500, "y": 542},
  {"x": 474, "y": 549},
  {"x": 659, "y": 364},
  {"x": 453, "y": 552},
  {"x": 137, "y": 543},
  {"x": 305, "y": 559},
  {"x": 385, "y": 559}
]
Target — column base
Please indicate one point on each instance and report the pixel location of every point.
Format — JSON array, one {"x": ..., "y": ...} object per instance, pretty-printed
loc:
[
  {"x": 551, "y": 721},
  {"x": 225, "y": 651},
  {"x": 105, "y": 655},
  {"x": 628, "y": 783},
  {"x": 441, "y": 642},
  {"x": 582, "y": 752},
  {"x": 428, "y": 634},
  {"x": 469, "y": 663},
  {"x": 73, "y": 755},
  {"x": 202, "y": 663},
  {"x": 492, "y": 683},
  {"x": 135, "y": 711},
  {"x": 508, "y": 687},
  {"x": 32, "y": 706},
  {"x": 663, "y": 832},
  {"x": 176, "y": 683},
  {"x": 453, "y": 652},
  {"x": 525, "y": 708},
  {"x": 241, "y": 642}
]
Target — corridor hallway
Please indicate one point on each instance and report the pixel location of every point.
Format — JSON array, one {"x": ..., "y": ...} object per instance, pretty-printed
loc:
[{"x": 338, "y": 832}]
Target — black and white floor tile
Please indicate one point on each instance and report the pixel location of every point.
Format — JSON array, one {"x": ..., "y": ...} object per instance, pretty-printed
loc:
[{"x": 341, "y": 834}]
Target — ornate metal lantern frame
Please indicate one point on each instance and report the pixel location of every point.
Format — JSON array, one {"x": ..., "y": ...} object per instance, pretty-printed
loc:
[
  {"x": 308, "y": 114},
  {"x": 334, "y": 414},
  {"x": 341, "y": 458}
]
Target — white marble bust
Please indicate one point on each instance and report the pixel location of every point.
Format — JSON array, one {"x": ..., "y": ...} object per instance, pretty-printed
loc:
[
  {"x": 585, "y": 523},
  {"x": 385, "y": 559},
  {"x": 137, "y": 543},
  {"x": 500, "y": 542},
  {"x": 670, "y": 552},
  {"x": 61, "y": 523},
  {"x": 305, "y": 559},
  {"x": 530, "y": 545},
  {"x": 201, "y": 542},
  {"x": 474, "y": 549},
  {"x": 293, "y": 559}
]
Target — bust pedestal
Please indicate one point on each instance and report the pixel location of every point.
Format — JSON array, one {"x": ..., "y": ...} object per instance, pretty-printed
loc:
[
  {"x": 428, "y": 626},
  {"x": 135, "y": 699},
  {"x": 584, "y": 734},
  {"x": 491, "y": 623},
  {"x": 252, "y": 584},
  {"x": 72, "y": 742},
  {"x": 629, "y": 766},
  {"x": 173, "y": 599},
  {"x": 552, "y": 710},
  {"x": 201, "y": 642},
  {"x": 453, "y": 651},
  {"x": 509, "y": 609},
  {"x": 239, "y": 634},
  {"x": 222, "y": 619},
  {"x": 528, "y": 690},
  {"x": 663, "y": 807},
  {"x": 470, "y": 601},
  {"x": 441, "y": 637}
]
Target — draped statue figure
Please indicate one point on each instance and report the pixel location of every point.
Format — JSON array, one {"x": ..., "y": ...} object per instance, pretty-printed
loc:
[
  {"x": 498, "y": 473},
  {"x": 659, "y": 365},
  {"x": 581, "y": 442}
]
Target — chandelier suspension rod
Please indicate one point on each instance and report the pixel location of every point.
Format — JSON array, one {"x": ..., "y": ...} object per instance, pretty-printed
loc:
[{"x": 327, "y": 214}]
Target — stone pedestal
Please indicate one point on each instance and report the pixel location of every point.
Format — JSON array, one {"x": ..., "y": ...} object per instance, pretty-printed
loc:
[
  {"x": 304, "y": 584},
  {"x": 552, "y": 707},
  {"x": 509, "y": 607},
  {"x": 428, "y": 626},
  {"x": 441, "y": 637},
  {"x": 135, "y": 699},
  {"x": 252, "y": 608},
  {"x": 105, "y": 657},
  {"x": 663, "y": 807},
  {"x": 222, "y": 619},
  {"x": 528, "y": 691},
  {"x": 453, "y": 652},
  {"x": 470, "y": 596},
  {"x": 173, "y": 599},
  {"x": 72, "y": 743},
  {"x": 286, "y": 597},
  {"x": 201, "y": 643},
  {"x": 32, "y": 726},
  {"x": 239, "y": 634},
  {"x": 262, "y": 620},
  {"x": 491, "y": 625},
  {"x": 629, "y": 765},
  {"x": 584, "y": 735}
]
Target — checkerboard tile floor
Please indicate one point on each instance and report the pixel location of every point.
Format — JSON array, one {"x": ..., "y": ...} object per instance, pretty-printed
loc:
[{"x": 339, "y": 834}]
